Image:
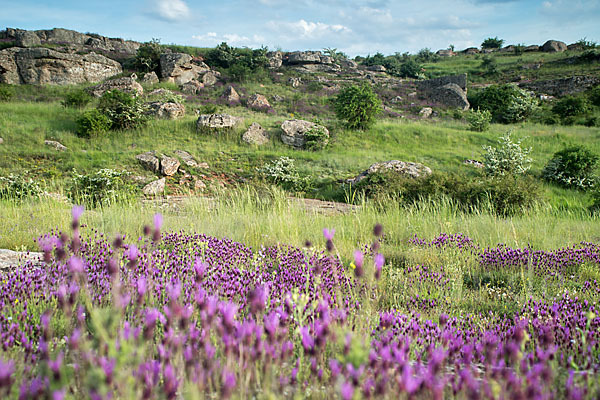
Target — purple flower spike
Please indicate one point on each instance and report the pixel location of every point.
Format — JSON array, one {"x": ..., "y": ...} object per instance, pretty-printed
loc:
[
  {"x": 75, "y": 265},
  {"x": 158, "y": 221},
  {"x": 358, "y": 258},
  {"x": 7, "y": 369},
  {"x": 328, "y": 233},
  {"x": 228, "y": 384},
  {"x": 347, "y": 391},
  {"x": 76, "y": 212}
]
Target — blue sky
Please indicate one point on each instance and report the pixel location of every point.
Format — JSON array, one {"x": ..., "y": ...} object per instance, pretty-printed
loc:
[{"x": 357, "y": 27}]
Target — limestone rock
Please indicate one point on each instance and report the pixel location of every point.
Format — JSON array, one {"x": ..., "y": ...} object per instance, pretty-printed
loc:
[
  {"x": 348, "y": 64},
  {"x": 303, "y": 57},
  {"x": 231, "y": 95},
  {"x": 41, "y": 66},
  {"x": 255, "y": 135},
  {"x": 155, "y": 188},
  {"x": 27, "y": 39},
  {"x": 56, "y": 145},
  {"x": 179, "y": 68},
  {"x": 210, "y": 78},
  {"x": 295, "y": 82},
  {"x": 294, "y": 130},
  {"x": 533, "y": 47},
  {"x": 149, "y": 161},
  {"x": 186, "y": 158},
  {"x": 166, "y": 110},
  {"x": 425, "y": 112},
  {"x": 275, "y": 59},
  {"x": 199, "y": 184},
  {"x": 169, "y": 165},
  {"x": 125, "y": 84},
  {"x": 376, "y": 68},
  {"x": 258, "y": 102},
  {"x": 451, "y": 95},
  {"x": 192, "y": 87},
  {"x": 150, "y": 78},
  {"x": 445, "y": 53},
  {"x": 554, "y": 46},
  {"x": 405, "y": 169},
  {"x": 562, "y": 86},
  {"x": 216, "y": 121}
]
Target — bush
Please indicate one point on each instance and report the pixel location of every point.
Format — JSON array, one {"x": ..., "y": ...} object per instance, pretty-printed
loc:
[
  {"x": 594, "y": 96},
  {"x": 410, "y": 69},
  {"x": 283, "y": 172},
  {"x": 77, "y": 99},
  {"x": 147, "y": 58},
  {"x": 315, "y": 138},
  {"x": 18, "y": 188},
  {"x": 358, "y": 106},
  {"x": 492, "y": 43},
  {"x": 6, "y": 92},
  {"x": 572, "y": 167},
  {"x": 122, "y": 109},
  {"x": 570, "y": 107},
  {"x": 509, "y": 158},
  {"x": 479, "y": 120},
  {"x": 92, "y": 123},
  {"x": 101, "y": 188},
  {"x": 240, "y": 63},
  {"x": 507, "y": 103},
  {"x": 489, "y": 65}
]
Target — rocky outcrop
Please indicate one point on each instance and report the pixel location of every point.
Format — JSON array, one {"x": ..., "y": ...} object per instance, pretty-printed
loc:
[
  {"x": 192, "y": 87},
  {"x": 430, "y": 84},
  {"x": 179, "y": 68},
  {"x": 149, "y": 161},
  {"x": 425, "y": 112},
  {"x": 41, "y": 66},
  {"x": 169, "y": 165},
  {"x": 306, "y": 57},
  {"x": 402, "y": 168},
  {"x": 216, "y": 122},
  {"x": 275, "y": 59},
  {"x": 167, "y": 110},
  {"x": 294, "y": 81},
  {"x": 255, "y": 135},
  {"x": 258, "y": 102},
  {"x": 563, "y": 86},
  {"x": 448, "y": 91},
  {"x": 210, "y": 78},
  {"x": 231, "y": 96},
  {"x": 445, "y": 53},
  {"x": 294, "y": 132},
  {"x": 471, "y": 51},
  {"x": 186, "y": 158},
  {"x": 532, "y": 48},
  {"x": 150, "y": 78},
  {"x": 125, "y": 84},
  {"x": 554, "y": 46},
  {"x": 155, "y": 188}
]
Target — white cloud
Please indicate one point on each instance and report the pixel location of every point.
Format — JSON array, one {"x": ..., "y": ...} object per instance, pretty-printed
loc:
[
  {"x": 307, "y": 30},
  {"x": 171, "y": 10},
  {"x": 233, "y": 39}
]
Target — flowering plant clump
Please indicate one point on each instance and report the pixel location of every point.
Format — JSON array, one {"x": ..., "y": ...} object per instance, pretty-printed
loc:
[
  {"x": 185, "y": 315},
  {"x": 509, "y": 158}
]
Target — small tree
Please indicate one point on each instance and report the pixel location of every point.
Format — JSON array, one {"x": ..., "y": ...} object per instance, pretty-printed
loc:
[
  {"x": 492, "y": 43},
  {"x": 572, "y": 167},
  {"x": 124, "y": 110},
  {"x": 509, "y": 158},
  {"x": 358, "y": 106},
  {"x": 479, "y": 120},
  {"x": 147, "y": 57}
]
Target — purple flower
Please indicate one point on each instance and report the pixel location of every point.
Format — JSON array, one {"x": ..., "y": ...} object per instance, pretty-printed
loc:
[
  {"x": 328, "y": 233},
  {"x": 7, "y": 369},
  {"x": 158, "y": 221},
  {"x": 76, "y": 212},
  {"x": 347, "y": 390},
  {"x": 229, "y": 383}
]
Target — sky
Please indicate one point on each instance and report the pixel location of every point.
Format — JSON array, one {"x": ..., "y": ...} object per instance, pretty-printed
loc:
[{"x": 356, "y": 27}]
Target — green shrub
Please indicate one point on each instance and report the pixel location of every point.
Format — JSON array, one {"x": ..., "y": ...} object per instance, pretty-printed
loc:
[
  {"x": 507, "y": 103},
  {"x": 147, "y": 57},
  {"x": 283, "y": 172},
  {"x": 124, "y": 110},
  {"x": 77, "y": 99},
  {"x": 166, "y": 96},
  {"x": 101, "y": 188},
  {"x": 492, "y": 43},
  {"x": 479, "y": 120},
  {"x": 92, "y": 123},
  {"x": 358, "y": 106},
  {"x": 18, "y": 187},
  {"x": 240, "y": 63},
  {"x": 570, "y": 107},
  {"x": 489, "y": 65},
  {"x": 410, "y": 69},
  {"x": 509, "y": 158},
  {"x": 572, "y": 167},
  {"x": 6, "y": 92},
  {"x": 594, "y": 96},
  {"x": 315, "y": 138}
]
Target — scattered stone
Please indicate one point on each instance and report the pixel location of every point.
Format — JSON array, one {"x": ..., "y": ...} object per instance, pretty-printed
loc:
[
  {"x": 277, "y": 98},
  {"x": 255, "y": 135},
  {"x": 406, "y": 169},
  {"x": 192, "y": 87},
  {"x": 425, "y": 112},
  {"x": 203, "y": 165},
  {"x": 445, "y": 53},
  {"x": 554, "y": 46},
  {"x": 294, "y": 130},
  {"x": 258, "y": 102},
  {"x": 295, "y": 82},
  {"x": 169, "y": 165},
  {"x": 155, "y": 188},
  {"x": 231, "y": 95},
  {"x": 149, "y": 161},
  {"x": 166, "y": 110},
  {"x": 216, "y": 121},
  {"x": 186, "y": 158},
  {"x": 397, "y": 99},
  {"x": 180, "y": 68},
  {"x": 56, "y": 145},
  {"x": 199, "y": 184},
  {"x": 125, "y": 84},
  {"x": 474, "y": 163},
  {"x": 450, "y": 95},
  {"x": 275, "y": 59},
  {"x": 150, "y": 78},
  {"x": 210, "y": 78}
]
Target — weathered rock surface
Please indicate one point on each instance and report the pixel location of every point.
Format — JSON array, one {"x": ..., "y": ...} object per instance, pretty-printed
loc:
[
  {"x": 294, "y": 130},
  {"x": 471, "y": 50},
  {"x": 150, "y": 78},
  {"x": 149, "y": 161},
  {"x": 554, "y": 46},
  {"x": 533, "y": 47},
  {"x": 125, "y": 84},
  {"x": 306, "y": 57},
  {"x": 41, "y": 66},
  {"x": 445, "y": 53},
  {"x": 167, "y": 110},
  {"x": 11, "y": 259},
  {"x": 258, "y": 102},
  {"x": 179, "y": 68},
  {"x": 430, "y": 84},
  {"x": 216, "y": 121},
  {"x": 155, "y": 188},
  {"x": 56, "y": 145},
  {"x": 169, "y": 165},
  {"x": 186, "y": 158},
  {"x": 1, "y": 140},
  {"x": 563, "y": 86},
  {"x": 255, "y": 135},
  {"x": 425, "y": 112},
  {"x": 405, "y": 169},
  {"x": 376, "y": 68},
  {"x": 210, "y": 78},
  {"x": 231, "y": 95},
  {"x": 275, "y": 59},
  {"x": 192, "y": 87},
  {"x": 294, "y": 82},
  {"x": 450, "y": 95},
  {"x": 27, "y": 39}
]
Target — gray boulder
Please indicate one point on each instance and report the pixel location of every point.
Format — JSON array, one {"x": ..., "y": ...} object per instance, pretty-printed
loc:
[
  {"x": 255, "y": 135},
  {"x": 533, "y": 47},
  {"x": 149, "y": 161},
  {"x": 179, "y": 68},
  {"x": 125, "y": 84},
  {"x": 275, "y": 59},
  {"x": 554, "y": 46},
  {"x": 445, "y": 53},
  {"x": 303, "y": 57},
  {"x": 451, "y": 95},
  {"x": 376, "y": 68},
  {"x": 155, "y": 188},
  {"x": 258, "y": 102},
  {"x": 294, "y": 131},
  {"x": 216, "y": 121},
  {"x": 27, "y": 39},
  {"x": 56, "y": 145},
  {"x": 402, "y": 168},
  {"x": 167, "y": 110},
  {"x": 150, "y": 78},
  {"x": 348, "y": 64},
  {"x": 210, "y": 78},
  {"x": 169, "y": 165},
  {"x": 186, "y": 158},
  {"x": 471, "y": 51},
  {"x": 295, "y": 81},
  {"x": 425, "y": 112},
  {"x": 192, "y": 87},
  {"x": 231, "y": 95}
]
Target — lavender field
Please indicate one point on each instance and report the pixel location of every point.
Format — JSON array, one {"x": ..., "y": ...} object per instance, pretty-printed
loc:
[{"x": 186, "y": 315}]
